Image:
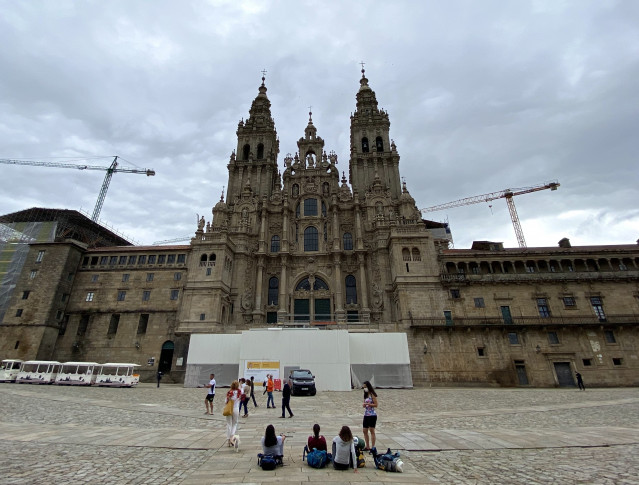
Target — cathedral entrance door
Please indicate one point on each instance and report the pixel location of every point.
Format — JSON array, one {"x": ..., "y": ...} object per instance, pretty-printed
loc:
[
  {"x": 322, "y": 310},
  {"x": 564, "y": 374},
  {"x": 166, "y": 357},
  {"x": 302, "y": 311}
]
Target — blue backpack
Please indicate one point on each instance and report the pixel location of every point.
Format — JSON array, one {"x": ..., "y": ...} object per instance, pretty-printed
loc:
[
  {"x": 316, "y": 458},
  {"x": 268, "y": 462}
]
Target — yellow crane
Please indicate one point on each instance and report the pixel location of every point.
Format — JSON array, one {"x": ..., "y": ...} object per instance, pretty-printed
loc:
[
  {"x": 110, "y": 170},
  {"x": 507, "y": 194}
]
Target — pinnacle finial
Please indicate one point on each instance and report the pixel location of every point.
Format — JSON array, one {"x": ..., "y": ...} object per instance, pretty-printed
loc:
[
  {"x": 263, "y": 76},
  {"x": 363, "y": 70},
  {"x": 222, "y": 196},
  {"x": 310, "y": 114}
]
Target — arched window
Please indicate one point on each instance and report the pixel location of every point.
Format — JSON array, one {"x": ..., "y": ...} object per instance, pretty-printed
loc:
[
  {"x": 303, "y": 285},
  {"x": 273, "y": 291},
  {"x": 405, "y": 254},
  {"x": 379, "y": 144},
  {"x": 260, "y": 151},
  {"x": 325, "y": 232},
  {"x": 212, "y": 257},
  {"x": 351, "y": 290},
  {"x": 203, "y": 257},
  {"x": 245, "y": 151},
  {"x": 348, "y": 241},
  {"x": 310, "y": 207},
  {"x": 365, "y": 145},
  {"x": 319, "y": 284},
  {"x": 275, "y": 244},
  {"x": 311, "y": 241},
  {"x": 416, "y": 255}
]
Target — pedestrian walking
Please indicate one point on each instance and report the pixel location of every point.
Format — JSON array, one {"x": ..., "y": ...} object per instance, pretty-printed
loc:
[
  {"x": 159, "y": 378},
  {"x": 208, "y": 400},
  {"x": 231, "y": 421},
  {"x": 370, "y": 414},
  {"x": 580, "y": 382},
  {"x": 252, "y": 384},
  {"x": 246, "y": 389},
  {"x": 269, "y": 390},
  {"x": 286, "y": 399}
]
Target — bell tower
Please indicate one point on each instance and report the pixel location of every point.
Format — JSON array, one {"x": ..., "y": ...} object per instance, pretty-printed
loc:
[
  {"x": 372, "y": 151},
  {"x": 254, "y": 162}
]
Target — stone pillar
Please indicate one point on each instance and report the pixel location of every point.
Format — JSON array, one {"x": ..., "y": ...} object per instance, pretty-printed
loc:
[
  {"x": 340, "y": 314},
  {"x": 262, "y": 242},
  {"x": 282, "y": 312},
  {"x": 364, "y": 288},
  {"x": 284, "y": 239},
  {"x": 258, "y": 287}
]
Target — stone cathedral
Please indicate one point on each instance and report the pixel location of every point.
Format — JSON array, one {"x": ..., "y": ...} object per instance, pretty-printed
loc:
[
  {"x": 315, "y": 246},
  {"x": 303, "y": 245}
]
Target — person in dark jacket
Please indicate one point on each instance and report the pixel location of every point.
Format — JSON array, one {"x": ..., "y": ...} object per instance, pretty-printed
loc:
[
  {"x": 159, "y": 378},
  {"x": 286, "y": 399}
]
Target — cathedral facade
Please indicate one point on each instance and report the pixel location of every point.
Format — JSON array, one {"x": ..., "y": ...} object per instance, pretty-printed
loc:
[{"x": 312, "y": 247}]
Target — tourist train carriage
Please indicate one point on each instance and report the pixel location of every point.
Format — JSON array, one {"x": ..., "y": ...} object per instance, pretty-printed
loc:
[
  {"x": 117, "y": 375},
  {"x": 38, "y": 372},
  {"x": 77, "y": 373},
  {"x": 9, "y": 370}
]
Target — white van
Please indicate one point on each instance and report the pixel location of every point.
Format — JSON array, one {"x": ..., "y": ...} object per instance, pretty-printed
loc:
[
  {"x": 38, "y": 372},
  {"x": 117, "y": 375},
  {"x": 77, "y": 374},
  {"x": 9, "y": 370}
]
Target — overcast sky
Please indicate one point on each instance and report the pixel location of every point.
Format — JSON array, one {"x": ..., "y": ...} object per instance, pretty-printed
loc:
[{"x": 482, "y": 96}]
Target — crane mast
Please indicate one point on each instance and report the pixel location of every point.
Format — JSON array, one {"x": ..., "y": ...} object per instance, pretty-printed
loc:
[
  {"x": 507, "y": 194},
  {"x": 110, "y": 170}
]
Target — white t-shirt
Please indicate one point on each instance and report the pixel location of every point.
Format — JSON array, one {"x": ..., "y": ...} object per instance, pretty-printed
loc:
[{"x": 212, "y": 388}]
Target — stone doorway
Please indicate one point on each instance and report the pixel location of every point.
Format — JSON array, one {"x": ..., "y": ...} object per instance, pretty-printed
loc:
[
  {"x": 564, "y": 374},
  {"x": 166, "y": 357}
]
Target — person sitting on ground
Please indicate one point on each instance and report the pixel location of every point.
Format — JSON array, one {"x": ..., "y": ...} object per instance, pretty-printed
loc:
[
  {"x": 344, "y": 450},
  {"x": 271, "y": 444},
  {"x": 316, "y": 441}
]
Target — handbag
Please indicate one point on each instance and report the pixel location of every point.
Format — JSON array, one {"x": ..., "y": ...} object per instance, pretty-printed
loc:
[{"x": 228, "y": 408}]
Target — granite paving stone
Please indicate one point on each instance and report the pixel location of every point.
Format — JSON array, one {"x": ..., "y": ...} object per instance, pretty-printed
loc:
[{"x": 68, "y": 435}]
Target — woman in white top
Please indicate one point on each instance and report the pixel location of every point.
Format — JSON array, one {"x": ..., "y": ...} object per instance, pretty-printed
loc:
[
  {"x": 344, "y": 455},
  {"x": 231, "y": 421}
]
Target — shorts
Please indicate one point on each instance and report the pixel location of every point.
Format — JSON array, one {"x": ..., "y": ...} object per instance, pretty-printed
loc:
[
  {"x": 210, "y": 397},
  {"x": 369, "y": 422}
]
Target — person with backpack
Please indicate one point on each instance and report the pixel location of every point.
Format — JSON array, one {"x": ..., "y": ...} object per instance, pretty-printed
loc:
[
  {"x": 271, "y": 444},
  {"x": 316, "y": 441},
  {"x": 344, "y": 455},
  {"x": 208, "y": 400}
]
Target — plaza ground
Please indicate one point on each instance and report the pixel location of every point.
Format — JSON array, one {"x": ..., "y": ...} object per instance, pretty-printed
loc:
[{"x": 146, "y": 435}]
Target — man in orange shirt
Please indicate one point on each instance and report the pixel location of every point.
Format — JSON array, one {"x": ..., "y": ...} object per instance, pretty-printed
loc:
[{"x": 269, "y": 391}]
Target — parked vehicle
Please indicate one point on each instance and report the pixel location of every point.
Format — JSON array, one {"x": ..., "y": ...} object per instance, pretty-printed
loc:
[
  {"x": 117, "y": 375},
  {"x": 302, "y": 381},
  {"x": 9, "y": 370},
  {"x": 38, "y": 372},
  {"x": 77, "y": 374}
]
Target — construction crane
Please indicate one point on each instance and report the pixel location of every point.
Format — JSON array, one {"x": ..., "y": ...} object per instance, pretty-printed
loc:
[
  {"x": 507, "y": 194},
  {"x": 110, "y": 170}
]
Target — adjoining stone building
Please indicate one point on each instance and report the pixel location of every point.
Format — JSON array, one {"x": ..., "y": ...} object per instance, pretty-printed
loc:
[{"x": 309, "y": 247}]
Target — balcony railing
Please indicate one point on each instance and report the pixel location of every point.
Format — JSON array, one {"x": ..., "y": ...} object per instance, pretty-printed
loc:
[
  {"x": 525, "y": 321},
  {"x": 538, "y": 276}
]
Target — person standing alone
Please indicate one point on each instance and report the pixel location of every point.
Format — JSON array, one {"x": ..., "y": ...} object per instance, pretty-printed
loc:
[
  {"x": 580, "y": 382},
  {"x": 269, "y": 390},
  {"x": 208, "y": 400},
  {"x": 252, "y": 384},
  {"x": 286, "y": 399}
]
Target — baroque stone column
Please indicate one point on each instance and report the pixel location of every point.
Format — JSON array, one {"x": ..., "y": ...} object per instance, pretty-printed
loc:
[
  {"x": 282, "y": 312},
  {"x": 258, "y": 288},
  {"x": 364, "y": 288},
  {"x": 340, "y": 314}
]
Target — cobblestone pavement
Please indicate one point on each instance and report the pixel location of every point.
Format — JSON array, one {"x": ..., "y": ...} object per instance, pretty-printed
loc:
[{"x": 68, "y": 435}]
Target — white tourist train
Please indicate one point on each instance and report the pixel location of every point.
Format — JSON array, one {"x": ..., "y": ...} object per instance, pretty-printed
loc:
[
  {"x": 9, "y": 370},
  {"x": 77, "y": 373},
  {"x": 38, "y": 372},
  {"x": 117, "y": 375}
]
